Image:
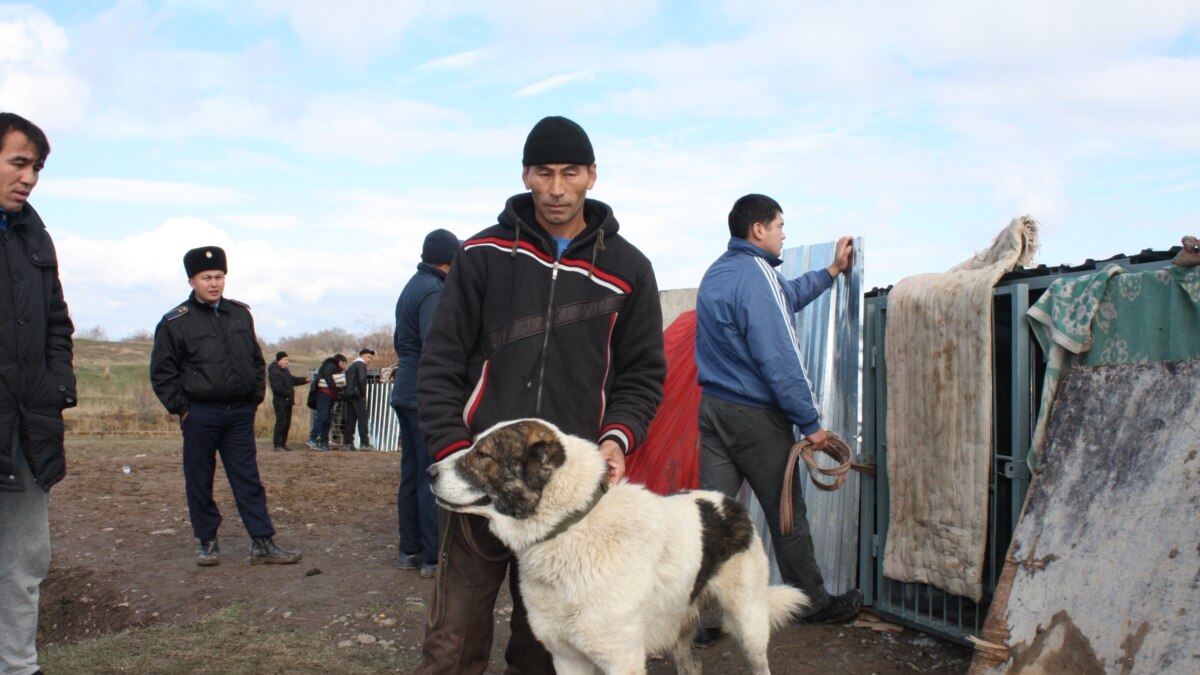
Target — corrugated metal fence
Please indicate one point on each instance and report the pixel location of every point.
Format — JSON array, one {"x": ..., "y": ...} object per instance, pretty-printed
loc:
[{"x": 381, "y": 419}]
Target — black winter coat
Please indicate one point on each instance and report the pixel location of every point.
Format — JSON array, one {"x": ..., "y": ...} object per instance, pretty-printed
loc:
[
  {"x": 517, "y": 333},
  {"x": 37, "y": 378},
  {"x": 283, "y": 384},
  {"x": 356, "y": 381},
  {"x": 207, "y": 355}
]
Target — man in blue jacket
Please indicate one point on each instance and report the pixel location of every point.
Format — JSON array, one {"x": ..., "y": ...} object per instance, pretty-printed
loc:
[
  {"x": 755, "y": 388},
  {"x": 414, "y": 313}
]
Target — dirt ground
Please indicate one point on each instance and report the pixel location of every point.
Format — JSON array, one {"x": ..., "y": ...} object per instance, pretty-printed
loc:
[{"x": 124, "y": 557}]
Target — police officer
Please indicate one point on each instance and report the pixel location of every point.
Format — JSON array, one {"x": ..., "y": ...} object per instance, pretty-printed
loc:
[{"x": 207, "y": 367}]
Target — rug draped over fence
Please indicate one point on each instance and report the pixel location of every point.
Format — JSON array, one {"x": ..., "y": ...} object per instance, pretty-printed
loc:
[{"x": 939, "y": 422}]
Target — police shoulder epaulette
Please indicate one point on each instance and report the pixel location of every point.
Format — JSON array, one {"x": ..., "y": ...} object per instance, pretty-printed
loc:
[
  {"x": 239, "y": 303},
  {"x": 175, "y": 313}
]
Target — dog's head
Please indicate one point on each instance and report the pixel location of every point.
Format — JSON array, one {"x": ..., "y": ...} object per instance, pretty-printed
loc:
[{"x": 504, "y": 473}]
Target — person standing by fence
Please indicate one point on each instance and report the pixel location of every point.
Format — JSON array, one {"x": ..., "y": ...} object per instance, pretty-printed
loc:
[
  {"x": 354, "y": 401},
  {"x": 326, "y": 394}
]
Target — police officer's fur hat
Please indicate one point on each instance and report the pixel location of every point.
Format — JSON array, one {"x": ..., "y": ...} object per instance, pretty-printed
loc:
[{"x": 204, "y": 259}]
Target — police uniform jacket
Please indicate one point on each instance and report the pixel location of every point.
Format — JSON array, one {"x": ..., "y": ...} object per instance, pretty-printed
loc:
[
  {"x": 207, "y": 355},
  {"x": 37, "y": 380}
]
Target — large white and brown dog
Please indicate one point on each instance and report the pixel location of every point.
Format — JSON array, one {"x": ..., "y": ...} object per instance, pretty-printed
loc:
[{"x": 611, "y": 575}]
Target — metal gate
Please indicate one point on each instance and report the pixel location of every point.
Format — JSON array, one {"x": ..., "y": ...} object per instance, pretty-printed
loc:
[{"x": 1018, "y": 371}]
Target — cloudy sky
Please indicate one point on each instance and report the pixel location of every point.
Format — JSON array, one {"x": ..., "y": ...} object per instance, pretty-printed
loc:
[{"x": 319, "y": 141}]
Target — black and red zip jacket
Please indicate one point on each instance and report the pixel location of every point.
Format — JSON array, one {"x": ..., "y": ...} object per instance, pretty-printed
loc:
[{"x": 575, "y": 341}]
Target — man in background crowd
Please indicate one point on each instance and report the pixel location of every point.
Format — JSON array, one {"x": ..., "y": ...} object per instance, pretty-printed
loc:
[
  {"x": 283, "y": 397},
  {"x": 415, "y": 506},
  {"x": 37, "y": 381},
  {"x": 354, "y": 401},
  {"x": 207, "y": 367},
  {"x": 326, "y": 385}
]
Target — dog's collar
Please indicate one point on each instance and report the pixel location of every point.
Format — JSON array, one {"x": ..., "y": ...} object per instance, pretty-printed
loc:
[{"x": 579, "y": 515}]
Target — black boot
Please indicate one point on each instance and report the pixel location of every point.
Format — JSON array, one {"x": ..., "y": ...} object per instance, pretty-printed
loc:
[
  {"x": 210, "y": 553},
  {"x": 264, "y": 551}
]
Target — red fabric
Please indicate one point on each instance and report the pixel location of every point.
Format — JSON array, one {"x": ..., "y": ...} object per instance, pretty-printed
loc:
[{"x": 669, "y": 459}]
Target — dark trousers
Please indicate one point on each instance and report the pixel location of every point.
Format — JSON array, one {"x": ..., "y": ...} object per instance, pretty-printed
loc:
[
  {"x": 739, "y": 442},
  {"x": 212, "y": 429},
  {"x": 416, "y": 509},
  {"x": 324, "y": 419},
  {"x": 283, "y": 422},
  {"x": 458, "y": 637},
  {"x": 355, "y": 410}
]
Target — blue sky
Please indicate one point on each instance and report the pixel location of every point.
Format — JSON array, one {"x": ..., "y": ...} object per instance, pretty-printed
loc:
[{"x": 318, "y": 142}]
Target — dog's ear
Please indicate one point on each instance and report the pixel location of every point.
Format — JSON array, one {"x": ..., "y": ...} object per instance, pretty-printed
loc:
[{"x": 542, "y": 457}]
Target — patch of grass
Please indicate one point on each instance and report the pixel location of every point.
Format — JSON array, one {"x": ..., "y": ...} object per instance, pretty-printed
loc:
[
  {"x": 115, "y": 395},
  {"x": 227, "y": 641}
]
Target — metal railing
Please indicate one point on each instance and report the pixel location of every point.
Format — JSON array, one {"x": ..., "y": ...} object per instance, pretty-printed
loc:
[{"x": 1018, "y": 371}]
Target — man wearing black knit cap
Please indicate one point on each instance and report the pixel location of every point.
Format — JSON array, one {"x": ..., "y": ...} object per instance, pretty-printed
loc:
[
  {"x": 207, "y": 367},
  {"x": 283, "y": 396},
  {"x": 415, "y": 509},
  {"x": 550, "y": 313}
]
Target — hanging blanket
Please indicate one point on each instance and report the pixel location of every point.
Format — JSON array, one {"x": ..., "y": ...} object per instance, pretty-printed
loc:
[
  {"x": 939, "y": 419},
  {"x": 1102, "y": 318},
  {"x": 669, "y": 459}
]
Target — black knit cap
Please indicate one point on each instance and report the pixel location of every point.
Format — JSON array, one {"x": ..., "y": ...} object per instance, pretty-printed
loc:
[
  {"x": 279, "y": 356},
  {"x": 204, "y": 259},
  {"x": 440, "y": 247},
  {"x": 558, "y": 140}
]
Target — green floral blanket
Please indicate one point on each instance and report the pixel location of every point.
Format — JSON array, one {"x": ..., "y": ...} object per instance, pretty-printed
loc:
[{"x": 1113, "y": 316}]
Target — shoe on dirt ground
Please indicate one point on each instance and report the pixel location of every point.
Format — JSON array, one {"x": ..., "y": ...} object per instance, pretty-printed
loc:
[
  {"x": 407, "y": 561},
  {"x": 312, "y": 445},
  {"x": 427, "y": 571},
  {"x": 840, "y": 609},
  {"x": 210, "y": 553},
  {"x": 264, "y": 551}
]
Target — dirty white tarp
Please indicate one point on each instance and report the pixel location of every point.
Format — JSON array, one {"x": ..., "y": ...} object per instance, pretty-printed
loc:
[
  {"x": 1105, "y": 554},
  {"x": 939, "y": 422}
]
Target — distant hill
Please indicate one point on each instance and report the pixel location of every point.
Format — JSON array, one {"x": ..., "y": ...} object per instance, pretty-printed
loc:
[{"x": 115, "y": 397}]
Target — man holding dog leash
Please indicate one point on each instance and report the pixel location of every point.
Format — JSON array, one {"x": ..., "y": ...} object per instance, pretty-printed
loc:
[
  {"x": 755, "y": 388},
  {"x": 551, "y": 314}
]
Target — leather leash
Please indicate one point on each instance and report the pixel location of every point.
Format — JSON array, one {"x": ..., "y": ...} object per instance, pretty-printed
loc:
[{"x": 835, "y": 448}]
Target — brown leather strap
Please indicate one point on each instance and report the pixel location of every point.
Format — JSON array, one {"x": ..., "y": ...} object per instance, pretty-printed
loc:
[{"x": 835, "y": 448}]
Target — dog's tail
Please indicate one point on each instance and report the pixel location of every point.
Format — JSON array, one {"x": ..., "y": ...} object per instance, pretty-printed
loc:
[{"x": 786, "y": 603}]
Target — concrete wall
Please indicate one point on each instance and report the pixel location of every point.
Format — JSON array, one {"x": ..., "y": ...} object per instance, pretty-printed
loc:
[{"x": 675, "y": 302}]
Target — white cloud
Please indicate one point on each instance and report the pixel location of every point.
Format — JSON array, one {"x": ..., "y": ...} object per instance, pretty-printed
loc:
[
  {"x": 35, "y": 78},
  {"x": 136, "y": 191},
  {"x": 456, "y": 61},
  {"x": 353, "y": 31},
  {"x": 555, "y": 82}
]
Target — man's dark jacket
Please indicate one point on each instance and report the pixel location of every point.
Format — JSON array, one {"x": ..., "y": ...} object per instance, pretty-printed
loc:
[
  {"x": 577, "y": 341},
  {"x": 324, "y": 382},
  {"x": 37, "y": 380},
  {"x": 356, "y": 381},
  {"x": 207, "y": 355},
  {"x": 414, "y": 316},
  {"x": 283, "y": 384}
]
